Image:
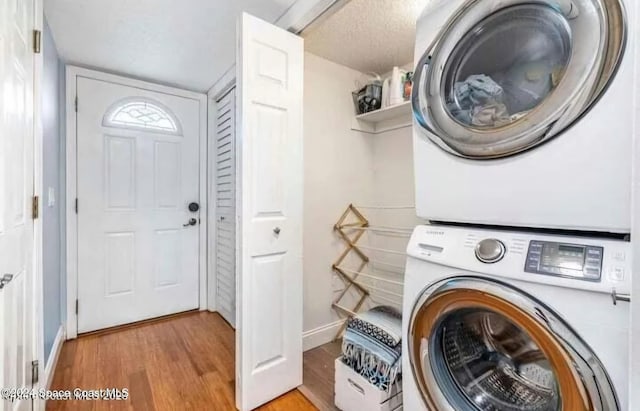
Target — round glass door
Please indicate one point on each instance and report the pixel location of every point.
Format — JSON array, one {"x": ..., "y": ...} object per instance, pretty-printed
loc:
[
  {"x": 497, "y": 82},
  {"x": 478, "y": 344},
  {"x": 506, "y": 66},
  {"x": 489, "y": 363}
]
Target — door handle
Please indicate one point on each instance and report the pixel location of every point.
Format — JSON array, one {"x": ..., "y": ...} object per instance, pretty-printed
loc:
[
  {"x": 192, "y": 221},
  {"x": 276, "y": 230},
  {"x": 620, "y": 297},
  {"x": 6, "y": 279}
]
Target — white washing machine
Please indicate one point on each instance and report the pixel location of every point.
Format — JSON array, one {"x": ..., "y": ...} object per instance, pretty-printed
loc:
[
  {"x": 500, "y": 320},
  {"x": 524, "y": 113}
]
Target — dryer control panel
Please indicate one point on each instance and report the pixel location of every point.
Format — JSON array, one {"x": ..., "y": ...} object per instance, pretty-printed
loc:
[{"x": 583, "y": 262}]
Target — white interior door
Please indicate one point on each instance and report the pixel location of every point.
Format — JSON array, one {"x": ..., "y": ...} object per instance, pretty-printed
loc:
[
  {"x": 225, "y": 206},
  {"x": 17, "y": 297},
  {"x": 269, "y": 337},
  {"x": 137, "y": 173}
]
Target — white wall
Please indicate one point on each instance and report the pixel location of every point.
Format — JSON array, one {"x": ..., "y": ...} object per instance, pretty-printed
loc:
[
  {"x": 52, "y": 214},
  {"x": 393, "y": 187},
  {"x": 338, "y": 170},
  {"x": 343, "y": 166}
]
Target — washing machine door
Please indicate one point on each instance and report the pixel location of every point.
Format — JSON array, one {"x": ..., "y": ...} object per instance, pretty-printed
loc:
[
  {"x": 503, "y": 76},
  {"x": 480, "y": 344}
]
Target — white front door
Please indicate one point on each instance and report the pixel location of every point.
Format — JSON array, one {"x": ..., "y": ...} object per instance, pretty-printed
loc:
[
  {"x": 17, "y": 297},
  {"x": 225, "y": 205},
  {"x": 269, "y": 328},
  {"x": 137, "y": 173}
]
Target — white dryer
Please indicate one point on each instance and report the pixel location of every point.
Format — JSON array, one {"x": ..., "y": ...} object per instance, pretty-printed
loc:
[
  {"x": 524, "y": 113},
  {"x": 500, "y": 320}
]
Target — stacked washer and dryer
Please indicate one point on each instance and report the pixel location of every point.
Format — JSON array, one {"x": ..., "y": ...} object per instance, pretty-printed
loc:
[{"x": 516, "y": 295}]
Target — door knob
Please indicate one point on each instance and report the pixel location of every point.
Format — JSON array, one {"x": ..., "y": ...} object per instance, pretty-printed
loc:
[
  {"x": 6, "y": 279},
  {"x": 192, "y": 221},
  {"x": 276, "y": 230},
  {"x": 194, "y": 207}
]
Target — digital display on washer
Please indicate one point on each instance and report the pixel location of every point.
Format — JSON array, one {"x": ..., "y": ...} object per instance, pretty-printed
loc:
[
  {"x": 563, "y": 256},
  {"x": 565, "y": 260},
  {"x": 573, "y": 249}
]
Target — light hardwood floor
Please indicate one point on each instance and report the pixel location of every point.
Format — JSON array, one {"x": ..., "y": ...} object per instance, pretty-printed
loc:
[
  {"x": 319, "y": 375},
  {"x": 185, "y": 362}
]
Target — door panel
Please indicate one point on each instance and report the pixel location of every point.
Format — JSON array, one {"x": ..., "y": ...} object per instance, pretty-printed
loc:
[
  {"x": 138, "y": 170},
  {"x": 269, "y": 341},
  {"x": 225, "y": 204},
  {"x": 17, "y": 296}
]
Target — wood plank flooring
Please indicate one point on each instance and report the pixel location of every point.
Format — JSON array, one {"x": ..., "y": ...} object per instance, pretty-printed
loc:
[
  {"x": 181, "y": 363},
  {"x": 319, "y": 373}
]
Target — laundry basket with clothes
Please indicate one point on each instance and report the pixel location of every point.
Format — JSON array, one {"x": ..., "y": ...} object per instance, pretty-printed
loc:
[{"x": 372, "y": 346}]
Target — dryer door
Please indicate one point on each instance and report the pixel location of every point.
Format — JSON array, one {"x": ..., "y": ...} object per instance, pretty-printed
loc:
[
  {"x": 506, "y": 75},
  {"x": 480, "y": 344}
]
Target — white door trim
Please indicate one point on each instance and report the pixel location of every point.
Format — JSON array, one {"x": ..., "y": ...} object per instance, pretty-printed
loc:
[
  {"x": 303, "y": 13},
  {"x": 212, "y": 276},
  {"x": 38, "y": 163},
  {"x": 72, "y": 73}
]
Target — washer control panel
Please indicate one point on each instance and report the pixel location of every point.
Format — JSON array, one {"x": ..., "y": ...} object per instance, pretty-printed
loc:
[{"x": 583, "y": 262}]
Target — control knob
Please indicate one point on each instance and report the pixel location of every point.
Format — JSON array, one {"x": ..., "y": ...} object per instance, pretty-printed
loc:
[{"x": 490, "y": 250}]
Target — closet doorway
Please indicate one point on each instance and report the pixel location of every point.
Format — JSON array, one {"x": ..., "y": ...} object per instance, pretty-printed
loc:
[{"x": 222, "y": 154}]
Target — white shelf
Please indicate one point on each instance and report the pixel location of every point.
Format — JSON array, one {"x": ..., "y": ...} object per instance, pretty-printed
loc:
[
  {"x": 386, "y": 113},
  {"x": 385, "y": 119}
]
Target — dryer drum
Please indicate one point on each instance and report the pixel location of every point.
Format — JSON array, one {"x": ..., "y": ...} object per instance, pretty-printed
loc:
[
  {"x": 497, "y": 82},
  {"x": 481, "y": 344},
  {"x": 494, "y": 362}
]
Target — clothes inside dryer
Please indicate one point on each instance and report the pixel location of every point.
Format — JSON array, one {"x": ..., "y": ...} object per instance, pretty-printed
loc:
[
  {"x": 506, "y": 66},
  {"x": 493, "y": 363}
]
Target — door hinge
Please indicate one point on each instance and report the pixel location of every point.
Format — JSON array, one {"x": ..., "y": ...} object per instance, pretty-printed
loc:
[
  {"x": 76, "y": 307},
  {"x": 75, "y": 103},
  {"x": 35, "y": 207},
  {"x": 34, "y": 372},
  {"x": 76, "y": 206},
  {"x": 37, "y": 41}
]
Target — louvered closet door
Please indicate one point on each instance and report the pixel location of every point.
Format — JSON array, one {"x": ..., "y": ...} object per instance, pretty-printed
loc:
[{"x": 226, "y": 207}]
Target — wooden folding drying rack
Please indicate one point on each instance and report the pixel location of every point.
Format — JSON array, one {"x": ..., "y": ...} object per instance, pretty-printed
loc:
[{"x": 342, "y": 227}]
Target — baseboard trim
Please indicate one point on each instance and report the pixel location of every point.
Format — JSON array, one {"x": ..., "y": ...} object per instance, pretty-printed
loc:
[
  {"x": 320, "y": 335},
  {"x": 50, "y": 368}
]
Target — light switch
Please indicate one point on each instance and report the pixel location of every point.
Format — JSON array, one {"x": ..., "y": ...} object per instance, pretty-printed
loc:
[{"x": 51, "y": 197}]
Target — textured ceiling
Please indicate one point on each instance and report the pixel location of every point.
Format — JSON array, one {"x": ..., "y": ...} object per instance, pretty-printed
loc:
[
  {"x": 188, "y": 43},
  {"x": 367, "y": 35}
]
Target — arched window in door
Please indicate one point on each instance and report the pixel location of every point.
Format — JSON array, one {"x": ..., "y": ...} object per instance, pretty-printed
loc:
[{"x": 142, "y": 113}]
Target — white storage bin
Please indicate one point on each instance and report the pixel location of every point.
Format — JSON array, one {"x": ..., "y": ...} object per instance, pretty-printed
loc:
[{"x": 354, "y": 393}]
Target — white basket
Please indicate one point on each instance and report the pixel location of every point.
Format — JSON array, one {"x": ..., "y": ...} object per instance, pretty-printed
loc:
[{"x": 354, "y": 393}]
